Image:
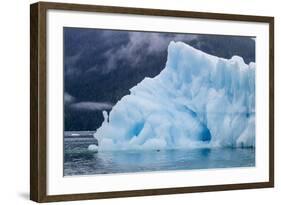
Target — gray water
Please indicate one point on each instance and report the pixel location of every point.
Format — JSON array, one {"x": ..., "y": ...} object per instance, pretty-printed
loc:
[{"x": 79, "y": 161}]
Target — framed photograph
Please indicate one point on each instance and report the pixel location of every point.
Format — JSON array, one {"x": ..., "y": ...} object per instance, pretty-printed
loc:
[{"x": 134, "y": 102}]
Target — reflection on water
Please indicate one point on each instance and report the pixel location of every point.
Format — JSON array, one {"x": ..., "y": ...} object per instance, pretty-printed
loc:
[{"x": 79, "y": 161}]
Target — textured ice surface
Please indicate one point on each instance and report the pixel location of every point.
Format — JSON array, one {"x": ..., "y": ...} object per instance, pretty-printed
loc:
[
  {"x": 198, "y": 100},
  {"x": 93, "y": 148}
]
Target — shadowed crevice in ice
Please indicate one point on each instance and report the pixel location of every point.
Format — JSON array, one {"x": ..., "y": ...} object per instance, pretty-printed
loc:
[
  {"x": 205, "y": 134},
  {"x": 198, "y": 100}
]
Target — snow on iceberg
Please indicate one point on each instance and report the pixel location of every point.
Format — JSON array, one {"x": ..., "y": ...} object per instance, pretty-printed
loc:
[{"x": 197, "y": 100}]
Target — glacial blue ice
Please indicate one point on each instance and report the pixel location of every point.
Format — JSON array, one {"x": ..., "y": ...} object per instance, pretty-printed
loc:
[
  {"x": 197, "y": 100},
  {"x": 93, "y": 148}
]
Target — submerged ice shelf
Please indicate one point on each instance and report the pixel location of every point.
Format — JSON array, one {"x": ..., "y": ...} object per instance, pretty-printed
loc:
[{"x": 197, "y": 100}]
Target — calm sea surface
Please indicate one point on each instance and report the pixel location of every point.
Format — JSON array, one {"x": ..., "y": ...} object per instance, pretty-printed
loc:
[{"x": 79, "y": 161}]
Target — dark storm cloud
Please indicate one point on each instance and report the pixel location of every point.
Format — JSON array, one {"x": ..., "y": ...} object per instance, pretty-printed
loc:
[
  {"x": 97, "y": 50},
  {"x": 85, "y": 49},
  {"x": 141, "y": 44}
]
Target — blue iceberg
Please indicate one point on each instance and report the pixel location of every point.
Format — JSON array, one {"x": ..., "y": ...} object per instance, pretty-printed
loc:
[{"x": 197, "y": 100}]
